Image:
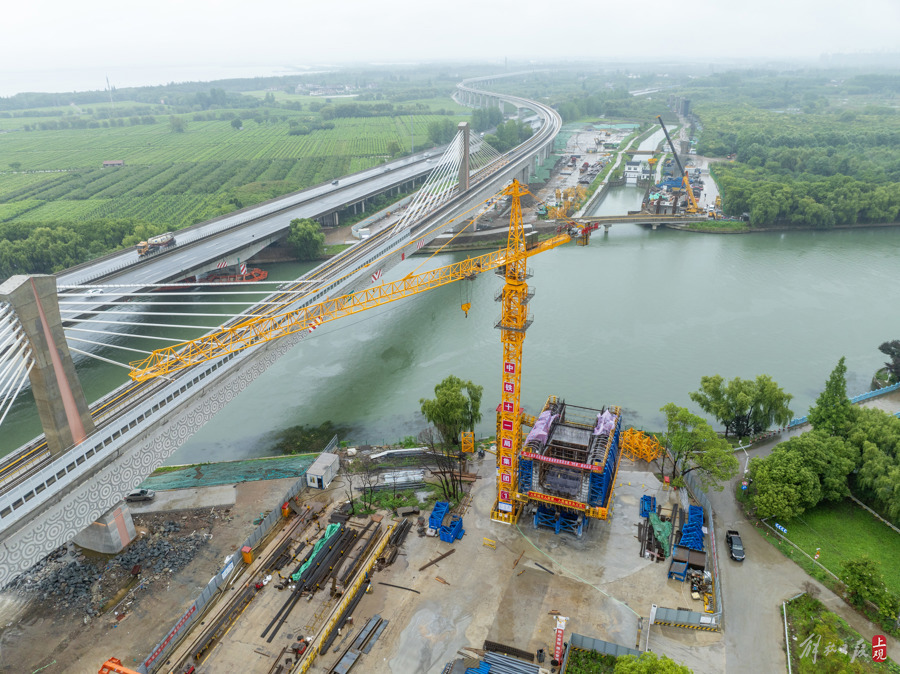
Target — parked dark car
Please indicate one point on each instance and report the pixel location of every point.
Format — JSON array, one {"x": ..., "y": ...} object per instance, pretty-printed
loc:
[
  {"x": 140, "y": 495},
  {"x": 735, "y": 545}
]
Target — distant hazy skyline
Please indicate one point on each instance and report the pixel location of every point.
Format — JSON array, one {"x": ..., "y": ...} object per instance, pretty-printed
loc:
[{"x": 50, "y": 45}]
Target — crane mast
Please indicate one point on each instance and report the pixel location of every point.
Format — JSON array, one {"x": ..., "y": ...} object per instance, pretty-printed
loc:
[{"x": 514, "y": 321}]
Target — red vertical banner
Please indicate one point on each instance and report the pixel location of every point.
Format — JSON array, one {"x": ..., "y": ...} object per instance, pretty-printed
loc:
[
  {"x": 879, "y": 648},
  {"x": 560, "y": 631}
]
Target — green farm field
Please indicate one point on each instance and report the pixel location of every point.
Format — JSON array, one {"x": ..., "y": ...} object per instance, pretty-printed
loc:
[
  {"x": 179, "y": 169},
  {"x": 141, "y": 145}
]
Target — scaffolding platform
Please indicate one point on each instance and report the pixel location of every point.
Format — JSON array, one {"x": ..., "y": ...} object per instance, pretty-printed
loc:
[{"x": 568, "y": 465}]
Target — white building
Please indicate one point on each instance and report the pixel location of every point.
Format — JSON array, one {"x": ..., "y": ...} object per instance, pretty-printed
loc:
[
  {"x": 322, "y": 471},
  {"x": 636, "y": 169}
]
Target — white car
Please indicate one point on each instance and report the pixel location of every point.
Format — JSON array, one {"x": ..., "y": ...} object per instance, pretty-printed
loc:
[
  {"x": 140, "y": 495},
  {"x": 95, "y": 291}
]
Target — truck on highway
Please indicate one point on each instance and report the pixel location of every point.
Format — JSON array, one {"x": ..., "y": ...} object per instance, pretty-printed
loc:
[{"x": 155, "y": 244}]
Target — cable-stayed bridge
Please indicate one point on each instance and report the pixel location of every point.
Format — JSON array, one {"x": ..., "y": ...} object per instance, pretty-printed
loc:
[{"x": 89, "y": 456}]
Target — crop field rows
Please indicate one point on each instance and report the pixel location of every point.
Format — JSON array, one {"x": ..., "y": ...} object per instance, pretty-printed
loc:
[
  {"x": 205, "y": 141},
  {"x": 176, "y": 179}
]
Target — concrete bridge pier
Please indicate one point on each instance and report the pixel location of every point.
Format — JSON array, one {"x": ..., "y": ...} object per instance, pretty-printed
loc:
[
  {"x": 654, "y": 226},
  {"x": 110, "y": 533},
  {"x": 65, "y": 416},
  {"x": 607, "y": 226},
  {"x": 329, "y": 219}
]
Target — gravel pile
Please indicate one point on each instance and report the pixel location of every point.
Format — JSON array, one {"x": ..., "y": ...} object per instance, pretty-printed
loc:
[{"x": 80, "y": 583}]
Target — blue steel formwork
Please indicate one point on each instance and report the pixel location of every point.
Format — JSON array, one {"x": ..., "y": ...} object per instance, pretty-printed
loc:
[
  {"x": 601, "y": 483},
  {"x": 692, "y": 534},
  {"x": 596, "y": 493},
  {"x": 526, "y": 470},
  {"x": 648, "y": 505},
  {"x": 449, "y": 532},
  {"x": 436, "y": 519},
  {"x": 559, "y": 519},
  {"x": 453, "y": 531}
]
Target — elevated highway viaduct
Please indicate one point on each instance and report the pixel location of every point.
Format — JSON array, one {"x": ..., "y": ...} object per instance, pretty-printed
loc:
[{"x": 46, "y": 500}]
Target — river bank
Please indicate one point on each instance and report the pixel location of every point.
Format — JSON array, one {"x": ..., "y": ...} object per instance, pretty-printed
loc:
[{"x": 704, "y": 229}]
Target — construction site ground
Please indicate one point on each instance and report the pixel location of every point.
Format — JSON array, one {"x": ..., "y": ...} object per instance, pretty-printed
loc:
[
  {"x": 599, "y": 582},
  {"x": 495, "y": 593},
  {"x": 39, "y": 634}
]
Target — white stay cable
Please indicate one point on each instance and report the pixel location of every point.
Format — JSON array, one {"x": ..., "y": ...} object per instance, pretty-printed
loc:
[
  {"x": 101, "y": 358},
  {"x": 19, "y": 356},
  {"x": 10, "y": 401},
  {"x": 417, "y": 205},
  {"x": 185, "y": 314},
  {"x": 129, "y": 335},
  {"x": 109, "y": 345}
]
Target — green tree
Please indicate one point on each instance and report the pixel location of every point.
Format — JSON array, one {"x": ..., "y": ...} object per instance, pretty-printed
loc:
[
  {"x": 15, "y": 165},
  {"x": 833, "y": 412},
  {"x": 744, "y": 407},
  {"x": 177, "y": 124},
  {"x": 307, "y": 238},
  {"x": 863, "y": 580},
  {"x": 694, "y": 446},
  {"x": 456, "y": 407},
  {"x": 875, "y": 436},
  {"x": 784, "y": 486},
  {"x": 441, "y": 131},
  {"x": 237, "y": 124},
  {"x": 649, "y": 663},
  {"x": 891, "y": 350}
]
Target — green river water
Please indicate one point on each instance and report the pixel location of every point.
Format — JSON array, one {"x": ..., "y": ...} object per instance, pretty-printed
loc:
[{"x": 635, "y": 319}]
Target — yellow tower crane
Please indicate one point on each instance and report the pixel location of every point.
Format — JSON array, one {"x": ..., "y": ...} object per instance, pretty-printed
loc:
[{"x": 514, "y": 321}]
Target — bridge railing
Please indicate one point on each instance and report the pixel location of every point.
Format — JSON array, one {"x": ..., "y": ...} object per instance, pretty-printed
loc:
[{"x": 867, "y": 395}]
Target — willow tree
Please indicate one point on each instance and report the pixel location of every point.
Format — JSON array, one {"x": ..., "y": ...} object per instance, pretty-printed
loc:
[{"x": 456, "y": 407}]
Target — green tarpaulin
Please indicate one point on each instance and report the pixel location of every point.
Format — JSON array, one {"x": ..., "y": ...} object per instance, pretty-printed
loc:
[
  {"x": 662, "y": 531},
  {"x": 329, "y": 532}
]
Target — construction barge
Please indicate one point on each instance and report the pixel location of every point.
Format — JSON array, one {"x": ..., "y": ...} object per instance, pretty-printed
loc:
[{"x": 568, "y": 464}]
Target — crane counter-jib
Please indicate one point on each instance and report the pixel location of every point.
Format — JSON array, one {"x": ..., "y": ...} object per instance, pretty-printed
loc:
[{"x": 266, "y": 328}]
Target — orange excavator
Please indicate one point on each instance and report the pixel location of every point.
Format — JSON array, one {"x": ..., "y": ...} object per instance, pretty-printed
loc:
[{"x": 115, "y": 666}]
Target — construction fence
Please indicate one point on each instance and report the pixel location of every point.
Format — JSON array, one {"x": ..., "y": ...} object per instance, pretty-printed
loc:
[
  {"x": 578, "y": 642},
  {"x": 159, "y": 653},
  {"x": 695, "y": 619}
]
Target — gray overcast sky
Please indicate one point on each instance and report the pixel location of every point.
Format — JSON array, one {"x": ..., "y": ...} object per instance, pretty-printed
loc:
[{"x": 60, "y": 46}]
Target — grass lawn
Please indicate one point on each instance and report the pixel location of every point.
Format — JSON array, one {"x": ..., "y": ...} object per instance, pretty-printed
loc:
[{"x": 845, "y": 531}]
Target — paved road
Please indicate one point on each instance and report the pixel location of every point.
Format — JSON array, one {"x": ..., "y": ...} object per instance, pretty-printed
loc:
[
  {"x": 753, "y": 590},
  {"x": 308, "y": 203}
]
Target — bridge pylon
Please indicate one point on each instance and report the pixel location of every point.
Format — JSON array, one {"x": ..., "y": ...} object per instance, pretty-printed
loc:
[
  {"x": 463, "y": 130},
  {"x": 63, "y": 410}
]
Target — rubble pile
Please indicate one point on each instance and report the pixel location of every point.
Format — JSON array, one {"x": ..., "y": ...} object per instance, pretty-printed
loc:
[{"x": 87, "y": 584}]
